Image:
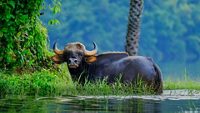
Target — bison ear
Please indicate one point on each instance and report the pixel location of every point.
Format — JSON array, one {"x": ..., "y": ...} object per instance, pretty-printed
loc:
[
  {"x": 91, "y": 59},
  {"x": 57, "y": 59}
]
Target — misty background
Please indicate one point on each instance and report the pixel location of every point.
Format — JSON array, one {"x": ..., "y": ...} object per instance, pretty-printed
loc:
[{"x": 170, "y": 30}]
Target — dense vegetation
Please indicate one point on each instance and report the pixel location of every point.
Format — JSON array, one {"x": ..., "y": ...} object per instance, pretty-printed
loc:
[
  {"x": 169, "y": 29},
  {"x": 23, "y": 39},
  {"x": 25, "y": 65},
  {"x": 44, "y": 83},
  {"x": 56, "y": 83}
]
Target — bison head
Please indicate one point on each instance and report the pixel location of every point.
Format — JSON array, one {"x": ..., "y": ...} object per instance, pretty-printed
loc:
[{"x": 74, "y": 54}]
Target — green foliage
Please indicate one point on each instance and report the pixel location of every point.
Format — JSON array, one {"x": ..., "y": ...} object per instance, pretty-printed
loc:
[
  {"x": 44, "y": 82},
  {"x": 55, "y": 9},
  {"x": 23, "y": 39},
  {"x": 53, "y": 22},
  {"x": 170, "y": 30}
]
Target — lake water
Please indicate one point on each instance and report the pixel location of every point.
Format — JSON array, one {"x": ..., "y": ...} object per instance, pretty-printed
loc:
[{"x": 178, "y": 101}]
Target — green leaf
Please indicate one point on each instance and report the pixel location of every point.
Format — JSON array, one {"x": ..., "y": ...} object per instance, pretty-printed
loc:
[
  {"x": 4, "y": 30},
  {"x": 12, "y": 3},
  {"x": 54, "y": 22},
  {"x": 1, "y": 34},
  {"x": 56, "y": 9},
  {"x": 19, "y": 34}
]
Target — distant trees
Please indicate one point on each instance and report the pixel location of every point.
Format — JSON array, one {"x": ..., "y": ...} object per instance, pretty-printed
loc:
[{"x": 169, "y": 29}]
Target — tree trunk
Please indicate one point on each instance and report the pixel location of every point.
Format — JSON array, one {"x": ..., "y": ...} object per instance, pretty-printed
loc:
[{"x": 133, "y": 29}]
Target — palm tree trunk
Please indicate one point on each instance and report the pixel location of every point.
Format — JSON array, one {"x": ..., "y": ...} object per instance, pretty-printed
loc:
[{"x": 133, "y": 30}]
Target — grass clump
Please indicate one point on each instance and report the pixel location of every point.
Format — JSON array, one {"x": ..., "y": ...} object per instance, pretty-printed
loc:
[
  {"x": 44, "y": 82},
  {"x": 101, "y": 87},
  {"x": 182, "y": 83},
  {"x": 56, "y": 82},
  {"x": 190, "y": 84}
]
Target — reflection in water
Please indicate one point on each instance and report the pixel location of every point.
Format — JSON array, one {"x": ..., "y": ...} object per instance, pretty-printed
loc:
[
  {"x": 90, "y": 104},
  {"x": 112, "y": 105}
]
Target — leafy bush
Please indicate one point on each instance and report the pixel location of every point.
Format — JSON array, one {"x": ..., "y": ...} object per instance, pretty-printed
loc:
[
  {"x": 23, "y": 39},
  {"x": 44, "y": 82}
]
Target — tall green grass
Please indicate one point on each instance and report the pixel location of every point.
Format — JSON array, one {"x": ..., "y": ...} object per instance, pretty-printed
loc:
[
  {"x": 184, "y": 82},
  {"x": 170, "y": 84},
  {"x": 101, "y": 87},
  {"x": 44, "y": 82},
  {"x": 53, "y": 82}
]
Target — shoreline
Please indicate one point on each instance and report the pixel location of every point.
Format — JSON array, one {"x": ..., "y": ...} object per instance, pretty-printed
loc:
[{"x": 59, "y": 83}]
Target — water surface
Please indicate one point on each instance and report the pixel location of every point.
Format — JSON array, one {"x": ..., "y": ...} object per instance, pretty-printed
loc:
[{"x": 170, "y": 102}]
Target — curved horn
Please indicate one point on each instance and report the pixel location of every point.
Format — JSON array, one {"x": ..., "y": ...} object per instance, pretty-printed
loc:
[
  {"x": 93, "y": 52},
  {"x": 56, "y": 50}
]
